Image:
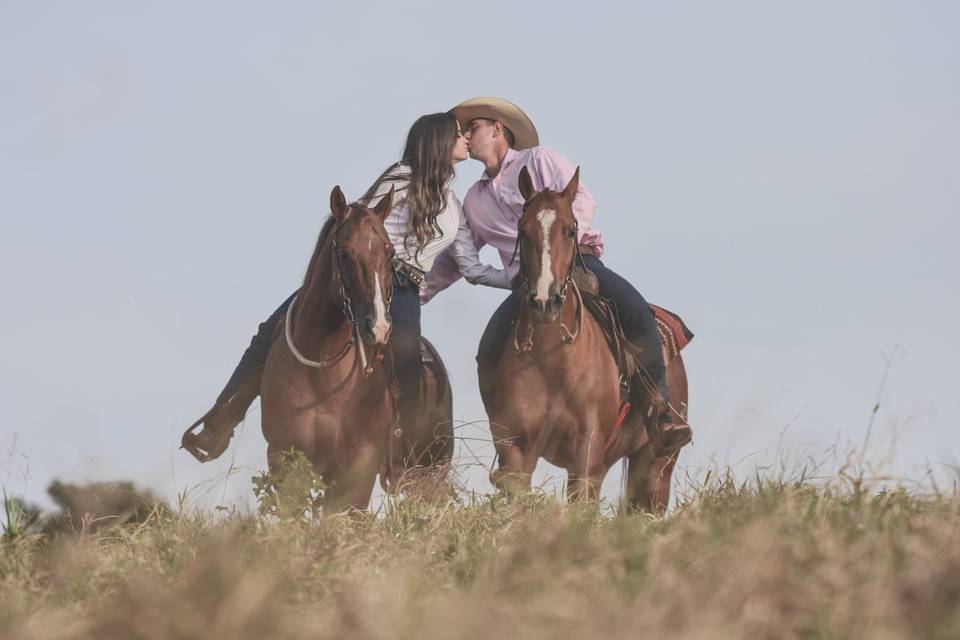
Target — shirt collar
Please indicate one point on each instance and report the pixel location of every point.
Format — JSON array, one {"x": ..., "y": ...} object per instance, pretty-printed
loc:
[{"x": 510, "y": 156}]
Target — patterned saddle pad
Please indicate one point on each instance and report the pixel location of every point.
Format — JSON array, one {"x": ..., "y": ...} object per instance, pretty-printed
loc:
[{"x": 674, "y": 333}]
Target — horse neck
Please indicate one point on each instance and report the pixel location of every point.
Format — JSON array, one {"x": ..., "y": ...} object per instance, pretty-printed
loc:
[{"x": 319, "y": 306}]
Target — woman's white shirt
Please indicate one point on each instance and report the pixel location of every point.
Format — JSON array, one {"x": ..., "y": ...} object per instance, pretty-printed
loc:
[{"x": 455, "y": 235}]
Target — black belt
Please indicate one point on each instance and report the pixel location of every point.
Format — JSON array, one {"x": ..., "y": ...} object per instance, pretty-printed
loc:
[{"x": 410, "y": 272}]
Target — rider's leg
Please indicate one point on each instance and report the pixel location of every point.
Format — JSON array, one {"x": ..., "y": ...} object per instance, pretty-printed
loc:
[
  {"x": 640, "y": 327},
  {"x": 238, "y": 394},
  {"x": 405, "y": 343},
  {"x": 255, "y": 357},
  {"x": 491, "y": 346},
  {"x": 637, "y": 318}
]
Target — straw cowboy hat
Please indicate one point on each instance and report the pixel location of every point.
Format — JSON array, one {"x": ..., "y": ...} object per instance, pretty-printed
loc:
[{"x": 520, "y": 125}]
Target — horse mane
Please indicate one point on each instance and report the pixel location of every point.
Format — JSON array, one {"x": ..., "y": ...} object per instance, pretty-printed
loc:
[{"x": 328, "y": 226}]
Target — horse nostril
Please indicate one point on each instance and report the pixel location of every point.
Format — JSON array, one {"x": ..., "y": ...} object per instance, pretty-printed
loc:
[
  {"x": 368, "y": 324},
  {"x": 556, "y": 302},
  {"x": 533, "y": 302}
]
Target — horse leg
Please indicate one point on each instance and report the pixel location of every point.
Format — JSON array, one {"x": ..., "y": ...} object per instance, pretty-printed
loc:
[
  {"x": 585, "y": 486},
  {"x": 639, "y": 466},
  {"x": 513, "y": 473},
  {"x": 652, "y": 477},
  {"x": 648, "y": 481},
  {"x": 659, "y": 479},
  {"x": 273, "y": 458},
  {"x": 352, "y": 487},
  {"x": 586, "y": 476}
]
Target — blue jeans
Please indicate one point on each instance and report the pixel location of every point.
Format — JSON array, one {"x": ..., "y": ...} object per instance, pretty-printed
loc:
[
  {"x": 635, "y": 315},
  {"x": 405, "y": 341}
]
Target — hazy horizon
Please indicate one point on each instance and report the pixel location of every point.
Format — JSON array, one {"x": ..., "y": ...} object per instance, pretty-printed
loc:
[{"x": 784, "y": 177}]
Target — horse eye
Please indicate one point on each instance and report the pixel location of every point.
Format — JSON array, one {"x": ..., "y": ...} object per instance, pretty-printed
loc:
[{"x": 571, "y": 232}]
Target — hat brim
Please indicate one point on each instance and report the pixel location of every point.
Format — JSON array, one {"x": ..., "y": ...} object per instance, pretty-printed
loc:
[{"x": 490, "y": 108}]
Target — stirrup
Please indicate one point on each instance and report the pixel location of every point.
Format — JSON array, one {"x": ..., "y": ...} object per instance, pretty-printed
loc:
[
  {"x": 662, "y": 449},
  {"x": 219, "y": 422}
]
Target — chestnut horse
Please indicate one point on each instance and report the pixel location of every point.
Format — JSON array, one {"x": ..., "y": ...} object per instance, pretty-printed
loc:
[
  {"x": 557, "y": 385},
  {"x": 339, "y": 409}
]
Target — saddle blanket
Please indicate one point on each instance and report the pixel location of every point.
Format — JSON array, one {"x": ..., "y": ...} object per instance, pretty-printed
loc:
[{"x": 674, "y": 333}]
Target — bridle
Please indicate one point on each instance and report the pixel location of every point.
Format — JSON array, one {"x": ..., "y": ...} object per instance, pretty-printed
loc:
[
  {"x": 569, "y": 337},
  {"x": 354, "y": 336}
]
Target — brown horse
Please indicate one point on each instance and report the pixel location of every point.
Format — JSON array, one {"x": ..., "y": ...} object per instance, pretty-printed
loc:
[
  {"x": 557, "y": 393},
  {"x": 338, "y": 409}
]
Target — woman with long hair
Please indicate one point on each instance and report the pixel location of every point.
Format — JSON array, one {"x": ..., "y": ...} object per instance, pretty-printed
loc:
[{"x": 426, "y": 220}]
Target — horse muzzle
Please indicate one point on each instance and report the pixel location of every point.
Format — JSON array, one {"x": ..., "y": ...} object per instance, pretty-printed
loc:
[
  {"x": 545, "y": 310},
  {"x": 375, "y": 331}
]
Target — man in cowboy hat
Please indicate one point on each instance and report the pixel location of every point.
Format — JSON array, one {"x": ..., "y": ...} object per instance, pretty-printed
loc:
[{"x": 505, "y": 140}]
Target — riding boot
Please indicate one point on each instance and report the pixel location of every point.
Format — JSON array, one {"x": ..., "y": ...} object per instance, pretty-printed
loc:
[
  {"x": 242, "y": 388},
  {"x": 649, "y": 391},
  {"x": 253, "y": 359}
]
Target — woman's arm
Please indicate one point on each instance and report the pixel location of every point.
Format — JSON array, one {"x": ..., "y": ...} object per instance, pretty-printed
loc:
[
  {"x": 443, "y": 274},
  {"x": 462, "y": 257}
]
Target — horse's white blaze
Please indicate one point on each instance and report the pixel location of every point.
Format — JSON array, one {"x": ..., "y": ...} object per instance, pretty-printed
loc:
[
  {"x": 546, "y": 218},
  {"x": 380, "y": 323}
]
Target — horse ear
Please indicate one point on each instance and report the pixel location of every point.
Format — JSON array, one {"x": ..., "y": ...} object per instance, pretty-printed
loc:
[
  {"x": 385, "y": 205},
  {"x": 570, "y": 191},
  {"x": 526, "y": 185},
  {"x": 338, "y": 204}
]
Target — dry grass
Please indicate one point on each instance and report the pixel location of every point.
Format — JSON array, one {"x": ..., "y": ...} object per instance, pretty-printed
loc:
[{"x": 773, "y": 559}]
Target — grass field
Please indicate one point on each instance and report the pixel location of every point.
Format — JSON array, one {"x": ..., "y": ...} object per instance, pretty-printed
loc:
[{"x": 762, "y": 559}]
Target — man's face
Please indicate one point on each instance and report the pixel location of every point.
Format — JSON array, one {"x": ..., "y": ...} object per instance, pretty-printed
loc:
[{"x": 480, "y": 134}]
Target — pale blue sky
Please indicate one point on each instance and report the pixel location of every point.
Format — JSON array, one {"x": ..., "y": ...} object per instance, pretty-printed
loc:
[{"x": 786, "y": 176}]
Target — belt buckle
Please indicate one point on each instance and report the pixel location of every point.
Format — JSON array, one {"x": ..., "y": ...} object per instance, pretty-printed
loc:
[
  {"x": 418, "y": 278},
  {"x": 412, "y": 274}
]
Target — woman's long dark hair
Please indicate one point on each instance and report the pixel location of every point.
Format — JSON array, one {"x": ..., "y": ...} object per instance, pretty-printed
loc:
[{"x": 428, "y": 153}]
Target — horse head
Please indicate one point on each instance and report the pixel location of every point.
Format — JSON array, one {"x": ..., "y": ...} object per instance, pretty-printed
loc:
[
  {"x": 548, "y": 246},
  {"x": 362, "y": 261}
]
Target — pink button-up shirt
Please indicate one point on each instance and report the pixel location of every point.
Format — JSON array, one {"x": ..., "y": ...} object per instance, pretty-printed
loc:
[{"x": 493, "y": 207}]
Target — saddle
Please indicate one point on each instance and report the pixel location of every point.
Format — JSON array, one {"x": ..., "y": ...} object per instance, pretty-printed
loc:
[{"x": 674, "y": 334}]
